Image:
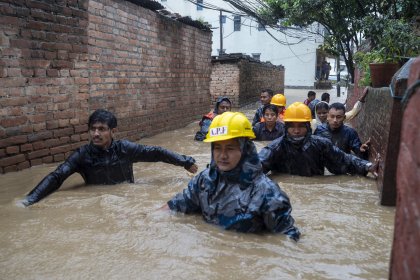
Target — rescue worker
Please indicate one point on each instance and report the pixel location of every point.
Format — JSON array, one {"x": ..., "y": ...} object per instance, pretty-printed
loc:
[
  {"x": 279, "y": 100},
  {"x": 342, "y": 136},
  {"x": 265, "y": 98},
  {"x": 105, "y": 161},
  {"x": 299, "y": 152},
  {"x": 233, "y": 191},
  {"x": 271, "y": 128},
  {"x": 223, "y": 104}
]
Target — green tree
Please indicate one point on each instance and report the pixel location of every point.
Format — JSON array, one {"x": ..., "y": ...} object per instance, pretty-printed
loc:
[{"x": 343, "y": 20}]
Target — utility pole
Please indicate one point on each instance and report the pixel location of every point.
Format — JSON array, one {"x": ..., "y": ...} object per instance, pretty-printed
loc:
[{"x": 221, "y": 33}]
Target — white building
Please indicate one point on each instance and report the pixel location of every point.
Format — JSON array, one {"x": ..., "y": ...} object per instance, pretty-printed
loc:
[{"x": 242, "y": 34}]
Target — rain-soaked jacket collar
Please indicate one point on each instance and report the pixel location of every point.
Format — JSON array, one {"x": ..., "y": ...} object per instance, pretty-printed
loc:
[
  {"x": 220, "y": 100},
  {"x": 244, "y": 173},
  {"x": 98, "y": 150},
  {"x": 301, "y": 142}
]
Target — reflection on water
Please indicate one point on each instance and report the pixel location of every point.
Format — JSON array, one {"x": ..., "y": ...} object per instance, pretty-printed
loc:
[{"x": 116, "y": 232}]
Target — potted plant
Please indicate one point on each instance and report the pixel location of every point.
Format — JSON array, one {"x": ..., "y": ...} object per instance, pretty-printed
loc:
[{"x": 393, "y": 43}]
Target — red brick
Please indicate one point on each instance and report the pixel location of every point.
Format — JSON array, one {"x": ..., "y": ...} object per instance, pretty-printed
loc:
[
  {"x": 26, "y": 147},
  {"x": 60, "y": 149},
  {"x": 40, "y": 136},
  {"x": 48, "y": 159},
  {"x": 59, "y": 157},
  {"x": 15, "y": 140},
  {"x": 13, "y": 122},
  {"x": 23, "y": 165},
  {"x": 11, "y": 160},
  {"x": 36, "y": 161},
  {"x": 11, "y": 168},
  {"x": 38, "y": 153},
  {"x": 12, "y": 150},
  {"x": 64, "y": 132}
]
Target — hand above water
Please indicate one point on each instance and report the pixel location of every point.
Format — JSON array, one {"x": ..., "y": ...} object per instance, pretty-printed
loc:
[
  {"x": 193, "y": 168},
  {"x": 23, "y": 203}
]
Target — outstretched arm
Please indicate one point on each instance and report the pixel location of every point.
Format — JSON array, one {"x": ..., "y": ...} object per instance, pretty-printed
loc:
[
  {"x": 53, "y": 181},
  {"x": 145, "y": 153}
]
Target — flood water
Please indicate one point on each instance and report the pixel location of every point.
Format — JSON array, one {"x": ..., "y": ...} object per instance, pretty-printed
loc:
[{"x": 116, "y": 232}]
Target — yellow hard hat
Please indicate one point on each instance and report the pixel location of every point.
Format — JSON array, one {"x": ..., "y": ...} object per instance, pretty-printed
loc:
[
  {"x": 229, "y": 125},
  {"x": 297, "y": 112},
  {"x": 278, "y": 100}
]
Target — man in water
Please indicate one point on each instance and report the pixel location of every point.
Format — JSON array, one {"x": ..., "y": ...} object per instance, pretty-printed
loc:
[
  {"x": 233, "y": 191},
  {"x": 299, "y": 152},
  {"x": 343, "y": 136},
  {"x": 265, "y": 99},
  {"x": 105, "y": 161},
  {"x": 223, "y": 104}
]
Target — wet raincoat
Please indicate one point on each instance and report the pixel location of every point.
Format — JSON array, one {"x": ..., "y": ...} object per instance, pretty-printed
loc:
[
  {"x": 345, "y": 137},
  {"x": 258, "y": 116},
  {"x": 206, "y": 120},
  {"x": 309, "y": 157},
  {"x": 243, "y": 199},
  {"x": 263, "y": 134},
  {"x": 105, "y": 167}
]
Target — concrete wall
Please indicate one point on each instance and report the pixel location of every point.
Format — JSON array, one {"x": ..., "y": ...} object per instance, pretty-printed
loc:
[
  {"x": 405, "y": 262},
  {"x": 60, "y": 62},
  {"x": 242, "y": 79}
]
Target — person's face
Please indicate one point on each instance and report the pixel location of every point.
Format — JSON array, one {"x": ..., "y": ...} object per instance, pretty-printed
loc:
[
  {"x": 224, "y": 106},
  {"x": 312, "y": 97},
  {"x": 270, "y": 117},
  {"x": 265, "y": 98},
  {"x": 335, "y": 118},
  {"x": 101, "y": 135},
  {"x": 227, "y": 154},
  {"x": 297, "y": 129},
  {"x": 322, "y": 114}
]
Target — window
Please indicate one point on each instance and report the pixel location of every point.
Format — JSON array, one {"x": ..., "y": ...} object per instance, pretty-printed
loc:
[
  {"x": 256, "y": 56},
  {"x": 199, "y": 7},
  {"x": 223, "y": 19},
  {"x": 261, "y": 27},
  {"x": 237, "y": 23}
]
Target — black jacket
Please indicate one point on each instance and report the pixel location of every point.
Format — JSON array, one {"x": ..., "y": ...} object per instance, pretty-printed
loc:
[
  {"x": 263, "y": 134},
  {"x": 345, "y": 137},
  {"x": 310, "y": 158},
  {"x": 105, "y": 167},
  {"x": 258, "y": 115}
]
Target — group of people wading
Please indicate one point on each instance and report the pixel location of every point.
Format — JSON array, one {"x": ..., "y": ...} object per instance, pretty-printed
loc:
[{"x": 234, "y": 190}]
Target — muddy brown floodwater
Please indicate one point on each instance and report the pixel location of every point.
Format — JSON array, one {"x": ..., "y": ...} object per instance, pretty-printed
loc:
[{"x": 115, "y": 232}]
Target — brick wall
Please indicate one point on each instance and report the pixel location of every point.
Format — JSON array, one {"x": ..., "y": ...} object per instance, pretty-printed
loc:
[
  {"x": 242, "y": 79},
  {"x": 380, "y": 119},
  {"x": 42, "y": 114},
  {"x": 151, "y": 71},
  {"x": 405, "y": 262},
  {"x": 60, "y": 62}
]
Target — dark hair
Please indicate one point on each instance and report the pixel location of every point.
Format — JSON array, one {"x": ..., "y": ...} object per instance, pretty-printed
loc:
[
  {"x": 321, "y": 105},
  {"x": 311, "y": 93},
  {"x": 337, "y": 106},
  {"x": 325, "y": 96},
  {"x": 271, "y": 107},
  {"x": 103, "y": 116},
  {"x": 269, "y": 91}
]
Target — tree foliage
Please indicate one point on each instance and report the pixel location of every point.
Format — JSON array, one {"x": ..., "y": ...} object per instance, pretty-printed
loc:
[{"x": 343, "y": 20}]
